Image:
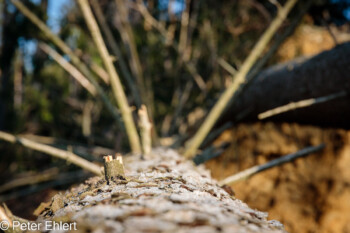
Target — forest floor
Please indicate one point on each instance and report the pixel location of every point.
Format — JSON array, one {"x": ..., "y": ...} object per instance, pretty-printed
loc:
[{"x": 308, "y": 195}]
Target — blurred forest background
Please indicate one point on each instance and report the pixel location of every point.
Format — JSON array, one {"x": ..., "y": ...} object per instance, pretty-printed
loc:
[{"x": 177, "y": 57}]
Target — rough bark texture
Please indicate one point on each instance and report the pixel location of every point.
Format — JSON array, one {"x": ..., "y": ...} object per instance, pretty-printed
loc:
[
  {"x": 164, "y": 193},
  {"x": 324, "y": 74}
]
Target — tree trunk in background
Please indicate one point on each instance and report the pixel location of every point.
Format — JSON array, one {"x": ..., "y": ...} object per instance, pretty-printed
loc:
[{"x": 324, "y": 74}]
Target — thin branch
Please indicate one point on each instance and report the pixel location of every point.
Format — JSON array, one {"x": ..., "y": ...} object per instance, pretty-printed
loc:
[
  {"x": 184, "y": 29},
  {"x": 150, "y": 19},
  {"x": 276, "y": 162},
  {"x": 87, "y": 118},
  {"x": 143, "y": 85},
  {"x": 193, "y": 21},
  {"x": 118, "y": 91},
  {"x": 196, "y": 76},
  {"x": 62, "y": 154},
  {"x": 183, "y": 100},
  {"x": 210, "y": 153},
  {"x": 161, "y": 29},
  {"x": 279, "y": 40},
  {"x": 128, "y": 39},
  {"x": 224, "y": 64},
  {"x": 99, "y": 71},
  {"x": 69, "y": 68},
  {"x": 43, "y": 176},
  {"x": 7, "y": 219},
  {"x": 239, "y": 79},
  {"x": 85, "y": 151},
  {"x": 272, "y": 50},
  {"x": 61, "y": 179},
  {"x": 96, "y": 68},
  {"x": 18, "y": 81},
  {"x": 116, "y": 50},
  {"x": 300, "y": 104},
  {"x": 145, "y": 130},
  {"x": 74, "y": 58}
]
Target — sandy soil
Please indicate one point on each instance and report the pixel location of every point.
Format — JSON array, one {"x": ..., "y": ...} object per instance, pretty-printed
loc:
[{"x": 308, "y": 195}]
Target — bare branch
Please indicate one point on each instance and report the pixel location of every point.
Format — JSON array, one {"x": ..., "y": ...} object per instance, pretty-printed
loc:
[
  {"x": 276, "y": 162},
  {"x": 17, "y": 81},
  {"x": 61, "y": 179},
  {"x": 150, "y": 19},
  {"x": 300, "y": 104},
  {"x": 100, "y": 72},
  {"x": 74, "y": 58},
  {"x": 4, "y": 217},
  {"x": 114, "y": 77},
  {"x": 7, "y": 219},
  {"x": 128, "y": 39},
  {"x": 184, "y": 29},
  {"x": 155, "y": 24},
  {"x": 116, "y": 50},
  {"x": 280, "y": 39},
  {"x": 224, "y": 64},
  {"x": 62, "y": 154},
  {"x": 145, "y": 130},
  {"x": 69, "y": 68},
  {"x": 86, "y": 151},
  {"x": 184, "y": 96},
  {"x": 43, "y": 176},
  {"x": 239, "y": 79}
]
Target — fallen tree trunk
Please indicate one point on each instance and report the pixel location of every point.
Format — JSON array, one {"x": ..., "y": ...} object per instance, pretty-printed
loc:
[
  {"x": 322, "y": 75},
  {"x": 163, "y": 193}
]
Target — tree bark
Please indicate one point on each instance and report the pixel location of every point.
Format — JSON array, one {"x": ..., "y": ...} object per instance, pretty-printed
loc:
[
  {"x": 164, "y": 193},
  {"x": 324, "y": 74}
]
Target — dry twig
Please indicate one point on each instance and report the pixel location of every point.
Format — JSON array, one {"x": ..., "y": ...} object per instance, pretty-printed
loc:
[
  {"x": 224, "y": 64},
  {"x": 85, "y": 151},
  {"x": 99, "y": 71},
  {"x": 184, "y": 30},
  {"x": 276, "y": 162},
  {"x": 50, "y": 174},
  {"x": 69, "y": 68},
  {"x": 239, "y": 79},
  {"x": 279, "y": 40},
  {"x": 128, "y": 39},
  {"x": 114, "y": 77},
  {"x": 74, "y": 58},
  {"x": 300, "y": 104},
  {"x": 18, "y": 81},
  {"x": 161, "y": 29},
  {"x": 62, "y": 179},
  {"x": 7, "y": 219},
  {"x": 4, "y": 217},
  {"x": 145, "y": 130},
  {"x": 116, "y": 50},
  {"x": 62, "y": 154},
  {"x": 185, "y": 95}
]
